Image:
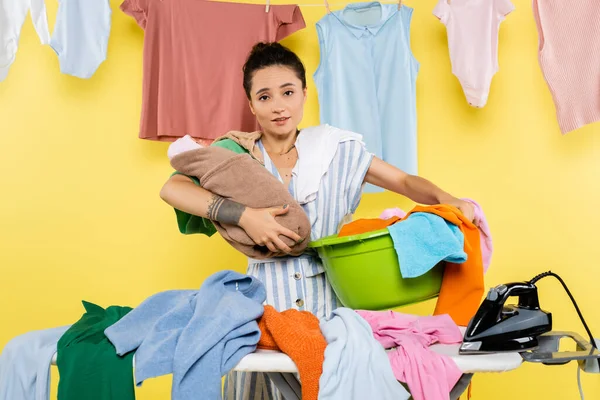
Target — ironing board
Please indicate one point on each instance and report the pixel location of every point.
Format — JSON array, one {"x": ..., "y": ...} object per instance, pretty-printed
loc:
[{"x": 282, "y": 370}]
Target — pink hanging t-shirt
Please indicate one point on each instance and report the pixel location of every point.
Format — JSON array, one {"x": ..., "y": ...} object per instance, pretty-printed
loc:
[{"x": 194, "y": 51}]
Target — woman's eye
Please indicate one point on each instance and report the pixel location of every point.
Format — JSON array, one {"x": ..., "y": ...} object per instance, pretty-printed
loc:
[
  {"x": 263, "y": 97},
  {"x": 289, "y": 93}
]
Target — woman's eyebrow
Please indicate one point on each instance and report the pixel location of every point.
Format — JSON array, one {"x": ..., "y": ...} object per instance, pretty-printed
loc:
[{"x": 281, "y": 87}]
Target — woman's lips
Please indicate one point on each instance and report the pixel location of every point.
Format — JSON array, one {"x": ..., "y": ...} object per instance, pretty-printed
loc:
[{"x": 281, "y": 121}]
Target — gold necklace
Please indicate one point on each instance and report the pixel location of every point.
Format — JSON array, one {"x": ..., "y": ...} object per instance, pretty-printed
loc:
[{"x": 290, "y": 149}]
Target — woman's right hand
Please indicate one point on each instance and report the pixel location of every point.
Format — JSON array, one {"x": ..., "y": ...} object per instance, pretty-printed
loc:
[{"x": 264, "y": 230}]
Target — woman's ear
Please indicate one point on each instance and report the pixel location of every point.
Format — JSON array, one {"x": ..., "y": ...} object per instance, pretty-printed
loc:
[
  {"x": 251, "y": 107},
  {"x": 304, "y": 91}
]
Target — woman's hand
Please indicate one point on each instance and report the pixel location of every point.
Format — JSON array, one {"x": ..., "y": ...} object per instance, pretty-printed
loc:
[
  {"x": 465, "y": 207},
  {"x": 264, "y": 230}
]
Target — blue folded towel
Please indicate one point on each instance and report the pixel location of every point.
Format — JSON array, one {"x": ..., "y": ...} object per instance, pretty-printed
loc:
[{"x": 423, "y": 240}]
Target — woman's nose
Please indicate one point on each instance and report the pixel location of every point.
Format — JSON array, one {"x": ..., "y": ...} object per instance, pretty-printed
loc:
[{"x": 277, "y": 106}]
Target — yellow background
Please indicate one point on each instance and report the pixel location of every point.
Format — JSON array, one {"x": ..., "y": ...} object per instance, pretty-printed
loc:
[{"x": 80, "y": 215}]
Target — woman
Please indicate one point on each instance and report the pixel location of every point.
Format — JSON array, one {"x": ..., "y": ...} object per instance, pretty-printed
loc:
[{"x": 275, "y": 83}]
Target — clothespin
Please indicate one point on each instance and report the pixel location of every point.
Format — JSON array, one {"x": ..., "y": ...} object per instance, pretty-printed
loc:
[
  {"x": 268, "y": 5},
  {"x": 327, "y": 7},
  {"x": 399, "y": 4}
]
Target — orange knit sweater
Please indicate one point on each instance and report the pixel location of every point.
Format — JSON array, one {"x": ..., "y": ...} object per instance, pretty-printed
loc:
[{"x": 297, "y": 334}]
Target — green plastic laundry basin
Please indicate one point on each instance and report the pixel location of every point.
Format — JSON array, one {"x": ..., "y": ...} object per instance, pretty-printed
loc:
[{"x": 364, "y": 272}]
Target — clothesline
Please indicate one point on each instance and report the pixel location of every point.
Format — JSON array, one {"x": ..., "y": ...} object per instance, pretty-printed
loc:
[
  {"x": 341, "y": 4},
  {"x": 326, "y": 4}
]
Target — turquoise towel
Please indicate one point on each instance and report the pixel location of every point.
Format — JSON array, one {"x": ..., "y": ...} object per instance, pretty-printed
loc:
[{"x": 423, "y": 240}]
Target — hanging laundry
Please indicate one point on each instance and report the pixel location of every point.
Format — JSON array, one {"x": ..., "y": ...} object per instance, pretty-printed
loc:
[
  {"x": 366, "y": 79},
  {"x": 87, "y": 364},
  {"x": 193, "y": 57},
  {"x": 569, "y": 57},
  {"x": 80, "y": 37},
  {"x": 422, "y": 240},
  {"x": 472, "y": 27},
  {"x": 429, "y": 375},
  {"x": 198, "y": 335},
  {"x": 356, "y": 366},
  {"x": 297, "y": 334},
  {"x": 25, "y": 365},
  {"x": 12, "y": 17}
]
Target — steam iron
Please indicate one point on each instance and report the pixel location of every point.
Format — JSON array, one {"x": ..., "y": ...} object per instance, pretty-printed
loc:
[{"x": 497, "y": 327}]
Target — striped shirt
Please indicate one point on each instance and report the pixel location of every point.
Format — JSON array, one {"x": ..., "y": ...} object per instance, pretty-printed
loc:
[{"x": 300, "y": 282}]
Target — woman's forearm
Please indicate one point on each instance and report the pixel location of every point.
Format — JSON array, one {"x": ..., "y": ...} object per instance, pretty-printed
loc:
[
  {"x": 181, "y": 193},
  {"x": 260, "y": 224},
  {"x": 418, "y": 189},
  {"x": 422, "y": 191}
]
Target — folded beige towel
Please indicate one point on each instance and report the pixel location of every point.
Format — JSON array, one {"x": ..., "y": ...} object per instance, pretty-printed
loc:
[
  {"x": 242, "y": 179},
  {"x": 247, "y": 140}
]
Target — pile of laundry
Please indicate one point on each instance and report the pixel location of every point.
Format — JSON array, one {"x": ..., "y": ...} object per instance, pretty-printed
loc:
[
  {"x": 198, "y": 336},
  {"x": 428, "y": 235}
]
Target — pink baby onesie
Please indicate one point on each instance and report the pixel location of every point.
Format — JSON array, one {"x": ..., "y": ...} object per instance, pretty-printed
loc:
[{"x": 472, "y": 27}]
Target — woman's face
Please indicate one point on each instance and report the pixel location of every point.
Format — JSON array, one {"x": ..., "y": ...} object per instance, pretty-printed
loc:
[{"x": 277, "y": 100}]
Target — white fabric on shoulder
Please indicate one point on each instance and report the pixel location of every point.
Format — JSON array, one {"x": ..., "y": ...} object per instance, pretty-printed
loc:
[{"x": 316, "y": 148}]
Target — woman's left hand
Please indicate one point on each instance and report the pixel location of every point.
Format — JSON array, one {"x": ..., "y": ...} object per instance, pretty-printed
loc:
[{"x": 465, "y": 207}]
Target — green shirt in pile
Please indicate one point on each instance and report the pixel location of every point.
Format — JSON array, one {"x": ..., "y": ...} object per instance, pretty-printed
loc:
[{"x": 87, "y": 362}]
